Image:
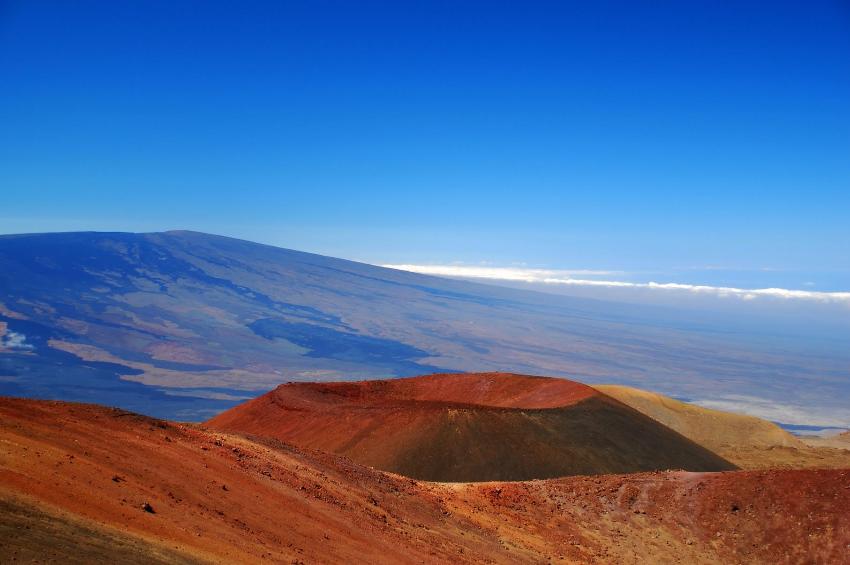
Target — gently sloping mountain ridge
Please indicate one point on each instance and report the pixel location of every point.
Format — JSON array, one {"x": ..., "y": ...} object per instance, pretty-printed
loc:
[
  {"x": 84, "y": 484},
  {"x": 715, "y": 429},
  {"x": 838, "y": 441},
  {"x": 470, "y": 427},
  {"x": 746, "y": 441}
]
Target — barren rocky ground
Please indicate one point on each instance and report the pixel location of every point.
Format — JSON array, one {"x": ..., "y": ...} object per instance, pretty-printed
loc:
[{"x": 176, "y": 493}]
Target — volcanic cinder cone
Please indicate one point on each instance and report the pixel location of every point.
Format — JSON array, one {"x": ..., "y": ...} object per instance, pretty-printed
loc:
[{"x": 470, "y": 427}]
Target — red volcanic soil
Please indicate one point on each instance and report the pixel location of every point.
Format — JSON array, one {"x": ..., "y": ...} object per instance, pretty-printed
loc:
[
  {"x": 470, "y": 427},
  {"x": 83, "y": 484}
]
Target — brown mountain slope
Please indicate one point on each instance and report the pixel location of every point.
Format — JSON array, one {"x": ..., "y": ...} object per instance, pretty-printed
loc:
[
  {"x": 746, "y": 441},
  {"x": 714, "y": 429},
  {"x": 470, "y": 427},
  {"x": 838, "y": 441},
  {"x": 74, "y": 479}
]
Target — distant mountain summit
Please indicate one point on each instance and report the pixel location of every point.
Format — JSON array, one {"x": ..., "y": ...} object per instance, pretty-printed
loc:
[{"x": 470, "y": 427}]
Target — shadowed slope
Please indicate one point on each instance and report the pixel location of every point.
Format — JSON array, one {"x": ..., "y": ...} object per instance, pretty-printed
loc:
[
  {"x": 470, "y": 427},
  {"x": 74, "y": 479},
  {"x": 32, "y": 533}
]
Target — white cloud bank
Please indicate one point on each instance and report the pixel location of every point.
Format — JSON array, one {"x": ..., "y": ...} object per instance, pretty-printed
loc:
[
  {"x": 562, "y": 277},
  {"x": 499, "y": 273}
]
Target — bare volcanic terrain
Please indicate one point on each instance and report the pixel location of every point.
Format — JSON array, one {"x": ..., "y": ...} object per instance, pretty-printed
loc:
[
  {"x": 839, "y": 441},
  {"x": 746, "y": 441},
  {"x": 83, "y": 484},
  {"x": 470, "y": 427}
]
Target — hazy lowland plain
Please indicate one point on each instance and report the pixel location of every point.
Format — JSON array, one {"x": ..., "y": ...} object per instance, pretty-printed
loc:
[{"x": 183, "y": 325}]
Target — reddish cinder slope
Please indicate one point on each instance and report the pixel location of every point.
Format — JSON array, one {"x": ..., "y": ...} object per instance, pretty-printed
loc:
[
  {"x": 74, "y": 480},
  {"x": 212, "y": 496},
  {"x": 470, "y": 427}
]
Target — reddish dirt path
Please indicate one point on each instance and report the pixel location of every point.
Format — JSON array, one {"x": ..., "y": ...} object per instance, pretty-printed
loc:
[{"x": 218, "y": 497}]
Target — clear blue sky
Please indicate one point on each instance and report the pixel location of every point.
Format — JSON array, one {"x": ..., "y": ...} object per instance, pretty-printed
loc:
[{"x": 575, "y": 135}]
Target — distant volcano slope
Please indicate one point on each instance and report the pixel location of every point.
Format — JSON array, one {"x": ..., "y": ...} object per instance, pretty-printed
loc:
[
  {"x": 470, "y": 427},
  {"x": 183, "y": 325}
]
